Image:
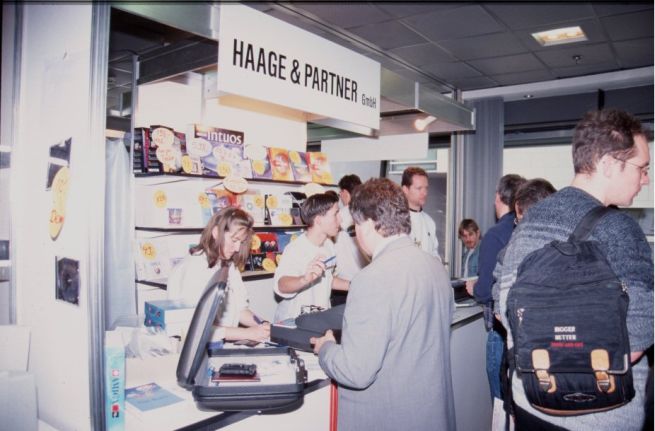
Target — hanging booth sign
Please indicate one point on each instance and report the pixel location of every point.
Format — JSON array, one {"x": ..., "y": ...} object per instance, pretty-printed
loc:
[{"x": 264, "y": 58}]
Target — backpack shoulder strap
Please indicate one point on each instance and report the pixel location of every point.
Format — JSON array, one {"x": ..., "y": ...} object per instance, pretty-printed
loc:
[{"x": 588, "y": 222}]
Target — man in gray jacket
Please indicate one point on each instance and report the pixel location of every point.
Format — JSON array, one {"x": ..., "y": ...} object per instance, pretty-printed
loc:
[{"x": 393, "y": 363}]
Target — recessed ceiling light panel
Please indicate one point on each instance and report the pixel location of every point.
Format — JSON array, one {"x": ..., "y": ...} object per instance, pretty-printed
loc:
[{"x": 560, "y": 36}]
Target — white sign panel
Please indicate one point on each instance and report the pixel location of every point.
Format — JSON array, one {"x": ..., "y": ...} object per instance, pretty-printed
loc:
[
  {"x": 390, "y": 147},
  {"x": 264, "y": 58}
]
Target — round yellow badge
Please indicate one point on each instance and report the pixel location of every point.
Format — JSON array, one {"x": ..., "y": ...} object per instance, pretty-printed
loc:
[
  {"x": 187, "y": 164},
  {"x": 148, "y": 251},
  {"x": 55, "y": 224},
  {"x": 269, "y": 265},
  {"x": 255, "y": 243},
  {"x": 271, "y": 201},
  {"x": 203, "y": 200},
  {"x": 258, "y": 166},
  {"x": 224, "y": 169},
  {"x": 285, "y": 219},
  {"x": 294, "y": 157},
  {"x": 159, "y": 198},
  {"x": 60, "y": 185}
]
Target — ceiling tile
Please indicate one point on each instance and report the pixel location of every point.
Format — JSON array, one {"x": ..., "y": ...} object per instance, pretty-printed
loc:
[
  {"x": 484, "y": 46},
  {"x": 508, "y": 64},
  {"x": 523, "y": 77},
  {"x": 629, "y": 26},
  {"x": 403, "y": 9},
  {"x": 522, "y": 15},
  {"x": 345, "y": 15},
  {"x": 563, "y": 57},
  {"x": 447, "y": 71},
  {"x": 388, "y": 35},
  {"x": 475, "y": 83},
  {"x": 635, "y": 53},
  {"x": 584, "y": 69},
  {"x": 603, "y": 9},
  {"x": 422, "y": 54},
  {"x": 454, "y": 23}
]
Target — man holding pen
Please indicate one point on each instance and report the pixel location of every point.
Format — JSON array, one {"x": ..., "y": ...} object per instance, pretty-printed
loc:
[{"x": 304, "y": 279}]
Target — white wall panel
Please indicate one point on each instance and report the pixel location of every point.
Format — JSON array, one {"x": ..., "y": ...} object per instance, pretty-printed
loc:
[{"x": 54, "y": 105}]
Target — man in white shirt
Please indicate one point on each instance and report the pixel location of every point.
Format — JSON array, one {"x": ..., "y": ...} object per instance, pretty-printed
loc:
[
  {"x": 304, "y": 276},
  {"x": 350, "y": 259},
  {"x": 424, "y": 231}
]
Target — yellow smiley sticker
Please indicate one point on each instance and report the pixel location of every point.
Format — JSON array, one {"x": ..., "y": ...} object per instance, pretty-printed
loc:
[
  {"x": 271, "y": 201},
  {"x": 60, "y": 185},
  {"x": 148, "y": 251},
  {"x": 255, "y": 243},
  {"x": 159, "y": 199},
  {"x": 203, "y": 200},
  {"x": 224, "y": 169},
  {"x": 259, "y": 201},
  {"x": 285, "y": 219},
  {"x": 187, "y": 164},
  {"x": 258, "y": 166},
  {"x": 55, "y": 224},
  {"x": 269, "y": 265},
  {"x": 294, "y": 157}
]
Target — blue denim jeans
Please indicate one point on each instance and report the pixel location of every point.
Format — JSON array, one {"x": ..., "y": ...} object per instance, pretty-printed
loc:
[{"x": 494, "y": 358}]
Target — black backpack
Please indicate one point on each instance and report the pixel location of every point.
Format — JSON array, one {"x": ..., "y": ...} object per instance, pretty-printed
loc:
[{"x": 567, "y": 313}]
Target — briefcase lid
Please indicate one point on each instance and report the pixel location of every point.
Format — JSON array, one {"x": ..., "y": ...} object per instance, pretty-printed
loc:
[{"x": 209, "y": 308}]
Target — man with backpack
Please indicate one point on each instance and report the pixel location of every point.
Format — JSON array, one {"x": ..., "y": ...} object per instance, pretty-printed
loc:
[{"x": 611, "y": 162}]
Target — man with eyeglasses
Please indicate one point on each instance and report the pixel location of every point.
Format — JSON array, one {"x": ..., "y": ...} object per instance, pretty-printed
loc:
[{"x": 611, "y": 161}]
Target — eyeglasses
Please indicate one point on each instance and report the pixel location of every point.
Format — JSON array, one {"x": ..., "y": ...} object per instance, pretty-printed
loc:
[{"x": 643, "y": 169}]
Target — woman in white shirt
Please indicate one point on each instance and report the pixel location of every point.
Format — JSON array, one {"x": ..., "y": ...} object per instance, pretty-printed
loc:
[{"x": 224, "y": 241}]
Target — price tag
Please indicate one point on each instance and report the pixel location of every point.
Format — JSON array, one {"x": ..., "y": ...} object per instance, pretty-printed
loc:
[{"x": 235, "y": 184}]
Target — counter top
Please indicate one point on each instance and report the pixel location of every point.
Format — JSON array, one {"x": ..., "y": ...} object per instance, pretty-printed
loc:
[{"x": 186, "y": 414}]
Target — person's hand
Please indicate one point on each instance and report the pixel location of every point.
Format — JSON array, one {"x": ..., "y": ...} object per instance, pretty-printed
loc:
[
  {"x": 469, "y": 286},
  {"x": 319, "y": 341},
  {"x": 314, "y": 270},
  {"x": 260, "y": 332}
]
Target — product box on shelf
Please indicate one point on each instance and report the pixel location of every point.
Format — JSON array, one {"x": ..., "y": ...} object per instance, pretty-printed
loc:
[
  {"x": 284, "y": 238},
  {"x": 280, "y": 165},
  {"x": 320, "y": 168},
  {"x": 279, "y": 209},
  {"x": 173, "y": 315},
  {"x": 217, "y": 199},
  {"x": 176, "y": 204},
  {"x": 156, "y": 256},
  {"x": 252, "y": 202},
  {"x": 219, "y": 151},
  {"x": 260, "y": 162},
  {"x": 141, "y": 142},
  {"x": 299, "y": 166},
  {"x": 114, "y": 381}
]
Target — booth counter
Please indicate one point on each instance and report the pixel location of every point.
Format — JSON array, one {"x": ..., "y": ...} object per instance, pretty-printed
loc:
[{"x": 470, "y": 390}]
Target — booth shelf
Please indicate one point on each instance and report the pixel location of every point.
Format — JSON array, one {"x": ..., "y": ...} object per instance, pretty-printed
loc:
[
  {"x": 245, "y": 275},
  {"x": 216, "y": 177},
  {"x": 183, "y": 230}
]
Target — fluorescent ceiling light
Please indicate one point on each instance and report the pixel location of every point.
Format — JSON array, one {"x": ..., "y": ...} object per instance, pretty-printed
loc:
[{"x": 560, "y": 36}]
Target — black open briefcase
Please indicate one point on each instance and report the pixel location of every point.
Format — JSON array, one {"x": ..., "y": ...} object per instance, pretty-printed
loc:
[{"x": 281, "y": 375}]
